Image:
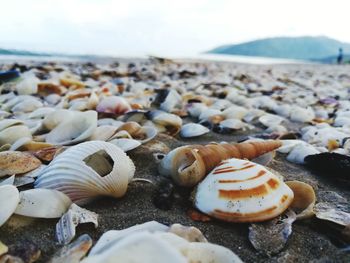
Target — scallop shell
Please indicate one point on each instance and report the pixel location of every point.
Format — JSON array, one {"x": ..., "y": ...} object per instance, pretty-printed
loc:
[
  {"x": 188, "y": 165},
  {"x": 9, "y": 198},
  {"x": 88, "y": 170},
  {"x": 242, "y": 191}
]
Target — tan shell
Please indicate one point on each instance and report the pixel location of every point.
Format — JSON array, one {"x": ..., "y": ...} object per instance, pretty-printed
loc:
[
  {"x": 188, "y": 165},
  {"x": 13, "y": 162},
  {"x": 242, "y": 191}
]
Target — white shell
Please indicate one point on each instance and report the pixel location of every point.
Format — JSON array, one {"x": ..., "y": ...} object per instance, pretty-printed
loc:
[
  {"x": 299, "y": 152},
  {"x": 75, "y": 129},
  {"x": 242, "y": 191},
  {"x": 13, "y": 133},
  {"x": 193, "y": 130},
  {"x": 69, "y": 173},
  {"x": 172, "y": 101},
  {"x": 42, "y": 203},
  {"x": 269, "y": 120},
  {"x": 9, "y": 198},
  {"x": 301, "y": 114},
  {"x": 125, "y": 144},
  {"x": 233, "y": 124}
]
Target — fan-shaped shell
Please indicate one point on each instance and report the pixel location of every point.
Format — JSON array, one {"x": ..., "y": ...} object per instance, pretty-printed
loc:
[
  {"x": 88, "y": 170},
  {"x": 242, "y": 191}
]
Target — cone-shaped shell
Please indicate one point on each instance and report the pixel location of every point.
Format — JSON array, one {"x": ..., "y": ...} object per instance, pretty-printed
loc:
[
  {"x": 242, "y": 191},
  {"x": 88, "y": 170},
  {"x": 188, "y": 165}
]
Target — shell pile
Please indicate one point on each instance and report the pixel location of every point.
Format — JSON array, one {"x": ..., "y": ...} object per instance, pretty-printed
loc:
[{"x": 127, "y": 139}]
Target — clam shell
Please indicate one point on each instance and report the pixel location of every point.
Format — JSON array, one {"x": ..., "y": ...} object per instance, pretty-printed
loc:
[
  {"x": 242, "y": 191},
  {"x": 88, "y": 170},
  {"x": 74, "y": 130},
  {"x": 125, "y": 144},
  {"x": 193, "y": 130},
  {"x": 12, "y": 162},
  {"x": 9, "y": 198},
  {"x": 114, "y": 105},
  {"x": 300, "y": 151},
  {"x": 13, "y": 133},
  {"x": 42, "y": 203}
]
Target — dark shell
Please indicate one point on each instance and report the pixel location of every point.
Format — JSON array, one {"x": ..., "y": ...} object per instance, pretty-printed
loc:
[
  {"x": 333, "y": 165},
  {"x": 8, "y": 76}
]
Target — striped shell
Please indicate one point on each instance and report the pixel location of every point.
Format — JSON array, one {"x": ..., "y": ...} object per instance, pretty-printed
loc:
[
  {"x": 88, "y": 170},
  {"x": 242, "y": 191}
]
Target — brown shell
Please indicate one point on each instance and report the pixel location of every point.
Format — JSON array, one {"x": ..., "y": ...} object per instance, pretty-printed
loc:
[{"x": 13, "y": 162}]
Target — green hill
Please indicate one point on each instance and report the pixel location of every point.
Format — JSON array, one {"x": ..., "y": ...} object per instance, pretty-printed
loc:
[{"x": 305, "y": 48}]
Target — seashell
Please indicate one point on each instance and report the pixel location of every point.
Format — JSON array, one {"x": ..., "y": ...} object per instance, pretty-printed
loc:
[
  {"x": 13, "y": 133},
  {"x": 47, "y": 154},
  {"x": 304, "y": 199},
  {"x": 27, "y": 144},
  {"x": 12, "y": 162},
  {"x": 29, "y": 85},
  {"x": 252, "y": 115},
  {"x": 88, "y": 170},
  {"x": 171, "y": 122},
  {"x": 125, "y": 144},
  {"x": 143, "y": 134},
  {"x": 42, "y": 203},
  {"x": 74, "y": 252},
  {"x": 288, "y": 145},
  {"x": 54, "y": 118},
  {"x": 10, "y": 180},
  {"x": 188, "y": 165},
  {"x": 193, "y": 130},
  {"x": 45, "y": 89},
  {"x": 53, "y": 99},
  {"x": 299, "y": 114},
  {"x": 135, "y": 115},
  {"x": 265, "y": 159},
  {"x": 242, "y": 191},
  {"x": 9, "y": 198},
  {"x": 229, "y": 125},
  {"x": 73, "y": 130},
  {"x": 113, "y": 105},
  {"x": 172, "y": 101},
  {"x": 65, "y": 228},
  {"x": 283, "y": 110},
  {"x": 27, "y": 105},
  {"x": 269, "y": 120},
  {"x": 207, "y": 252},
  {"x": 299, "y": 152},
  {"x": 271, "y": 237},
  {"x": 190, "y": 233},
  {"x": 8, "y": 123},
  {"x": 276, "y": 129},
  {"x": 196, "y": 109},
  {"x": 336, "y": 213},
  {"x": 103, "y": 133},
  {"x": 140, "y": 247},
  {"x": 333, "y": 165},
  {"x": 109, "y": 238}
]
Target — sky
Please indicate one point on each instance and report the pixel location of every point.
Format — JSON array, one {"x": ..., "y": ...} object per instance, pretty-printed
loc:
[{"x": 162, "y": 27}]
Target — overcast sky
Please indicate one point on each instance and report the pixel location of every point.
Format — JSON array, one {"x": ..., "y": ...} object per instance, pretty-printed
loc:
[{"x": 162, "y": 27}]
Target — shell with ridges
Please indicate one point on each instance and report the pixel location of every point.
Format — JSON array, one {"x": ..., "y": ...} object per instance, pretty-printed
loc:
[
  {"x": 85, "y": 171},
  {"x": 242, "y": 191}
]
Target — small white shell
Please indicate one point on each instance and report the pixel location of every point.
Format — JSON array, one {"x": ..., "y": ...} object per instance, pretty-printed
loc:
[
  {"x": 299, "y": 152},
  {"x": 85, "y": 171},
  {"x": 193, "y": 130},
  {"x": 242, "y": 191},
  {"x": 301, "y": 114},
  {"x": 13, "y": 133},
  {"x": 125, "y": 144},
  {"x": 42, "y": 203},
  {"x": 233, "y": 124},
  {"x": 269, "y": 120},
  {"x": 76, "y": 129},
  {"x": 9, "y": 198}
]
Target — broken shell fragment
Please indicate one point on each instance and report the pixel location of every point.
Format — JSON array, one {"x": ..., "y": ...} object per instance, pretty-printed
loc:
[
  {"x": 88, "y": 170},
  {"x": 188, "y": 165},
  {"x": 42, "y": 203},
  {"x": 9, "y": 198},
  {"x": 242, "y": 191},
  {"x": 271, "y": 237},
  {"x": 65, "y": 228},
  {"x": 74, "y": 252},
  {"x": 13, "y": 162}
]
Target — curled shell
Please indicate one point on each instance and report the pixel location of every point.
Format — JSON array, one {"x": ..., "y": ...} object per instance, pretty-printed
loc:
[
  {"x": 188, "y": 165},
  {"x": 13, "y": 162},
  {"x": 88, "y": 170},
  {"x": 9, "y": 198},
  {"x": 242, "y": 191},
  {"x": 304, "y": 199}
]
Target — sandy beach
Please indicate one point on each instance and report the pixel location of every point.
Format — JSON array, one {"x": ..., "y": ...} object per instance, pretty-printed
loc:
[{"x": 302, "y": 85}]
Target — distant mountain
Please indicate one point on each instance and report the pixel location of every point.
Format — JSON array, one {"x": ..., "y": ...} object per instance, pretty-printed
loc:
[
  {"x": 21, "y": 52},
  {"x": 305, "y": 48}
]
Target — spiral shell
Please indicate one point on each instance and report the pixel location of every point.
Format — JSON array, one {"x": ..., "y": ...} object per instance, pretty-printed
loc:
[
  {"x": 188, "y": 165},
  {"x": 88, "y": 170},
  {"x": 242, "y": 191}
]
